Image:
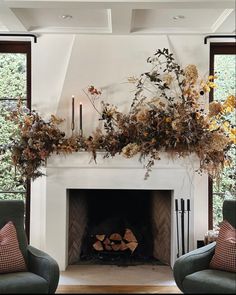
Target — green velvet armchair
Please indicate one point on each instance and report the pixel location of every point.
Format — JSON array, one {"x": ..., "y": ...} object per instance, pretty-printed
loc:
[
  {"x": 192, "y": 273},
  {"x": 43, "y": 272}
]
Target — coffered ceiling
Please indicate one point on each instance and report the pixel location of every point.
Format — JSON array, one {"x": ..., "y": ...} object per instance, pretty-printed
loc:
[{"x": 118, "y": 17}]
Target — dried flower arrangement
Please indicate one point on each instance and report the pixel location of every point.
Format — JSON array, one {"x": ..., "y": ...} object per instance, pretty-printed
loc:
[{"x": 165, "y": 115}]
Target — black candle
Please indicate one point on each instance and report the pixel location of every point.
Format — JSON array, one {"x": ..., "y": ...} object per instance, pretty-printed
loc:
[
  {"x": 188, "y": 204},
  {"x": 176, "y": 205},
  {"x": 80, "y": 116},
  {"x": 73, "y": 113},
  {"x": 182, "y": 205}
]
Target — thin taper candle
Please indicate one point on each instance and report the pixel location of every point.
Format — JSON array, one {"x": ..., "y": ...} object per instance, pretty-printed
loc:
[
  {"x": 80, "y": 117},
  {"x": 188, "y": 204},
  {"x": 73, "y": 114},
  {"x": 182, "y": 205},
  {"x": 176, "y": 205}
]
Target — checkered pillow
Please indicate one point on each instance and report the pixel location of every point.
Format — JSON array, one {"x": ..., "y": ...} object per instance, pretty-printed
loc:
[
  {"x": 225, "y": 251},
  {"x": 11, "y": 258}
]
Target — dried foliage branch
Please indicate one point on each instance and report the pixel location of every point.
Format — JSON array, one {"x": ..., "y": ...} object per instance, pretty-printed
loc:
[{"x": 165, "y": 115}]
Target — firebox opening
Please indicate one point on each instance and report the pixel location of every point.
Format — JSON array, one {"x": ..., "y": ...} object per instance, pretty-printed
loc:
[{"x": 114, "y": 226}]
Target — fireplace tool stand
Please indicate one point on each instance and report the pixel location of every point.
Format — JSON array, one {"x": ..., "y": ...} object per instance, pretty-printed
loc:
[{"x": 182, "y": 212}]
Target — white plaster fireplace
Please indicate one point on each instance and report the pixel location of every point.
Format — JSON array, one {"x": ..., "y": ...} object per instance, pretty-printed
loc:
[{"x": 49, "y": 201}]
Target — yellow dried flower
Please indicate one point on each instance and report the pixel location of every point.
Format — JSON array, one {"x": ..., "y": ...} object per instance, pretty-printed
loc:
[
  {"x": 232, "y": 135},
  {"x": 130, "y": 150},
  {"x": 226, "y": 126},
  {"x": 213, "y": 125},
  {"x": 211, "y": 84},
  {"x": 206, "y": 88},
  {"x": 230, "y": 104},
  {"x": 211, "y": 77}
]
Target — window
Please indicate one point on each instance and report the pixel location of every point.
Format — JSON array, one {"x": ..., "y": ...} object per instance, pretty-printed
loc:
[
  {"x": 15, "y": 83},
  {"x": 223, "y": 63}
]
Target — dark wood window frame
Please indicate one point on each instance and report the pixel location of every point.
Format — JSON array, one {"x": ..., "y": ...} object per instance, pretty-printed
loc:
[
  {"x": 22, "y": 47},
  {"x": 216, "y": 48}
]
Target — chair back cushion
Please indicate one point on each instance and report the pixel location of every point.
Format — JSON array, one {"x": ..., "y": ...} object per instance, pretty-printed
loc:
[
  {"x": 11, "y": 258},
  {"x": 13, "y": 210},
  {"x": 225, "y": 250},
  {"x": 229, "y": 211}
]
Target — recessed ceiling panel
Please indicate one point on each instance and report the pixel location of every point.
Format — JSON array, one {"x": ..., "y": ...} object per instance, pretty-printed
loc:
[
  {"x": 176, "y": 20},
  {"x": 41, "y": 18}
]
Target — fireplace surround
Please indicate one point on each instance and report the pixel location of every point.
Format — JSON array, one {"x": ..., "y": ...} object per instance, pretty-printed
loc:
[{"x": 50, "y": 197}]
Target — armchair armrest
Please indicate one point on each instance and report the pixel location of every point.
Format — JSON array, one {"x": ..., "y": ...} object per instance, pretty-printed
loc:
[
  {"x": 45, "y": 266},
  {"x": 191, "y": 262}
]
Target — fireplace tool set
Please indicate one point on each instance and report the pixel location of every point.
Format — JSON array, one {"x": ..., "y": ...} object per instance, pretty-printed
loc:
[{"x": 182, "y": 212}]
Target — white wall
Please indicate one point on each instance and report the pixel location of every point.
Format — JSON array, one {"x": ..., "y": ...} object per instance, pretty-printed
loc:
[{"x": 64, "y": 65}]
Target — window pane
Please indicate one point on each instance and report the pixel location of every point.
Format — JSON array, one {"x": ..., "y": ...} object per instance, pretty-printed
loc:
[
  {"x": 12, "y": 196},
  {"x": 224, "y": 66},
  {"x": 12, "y": 86},
  {"x": 12, "y": 75}
]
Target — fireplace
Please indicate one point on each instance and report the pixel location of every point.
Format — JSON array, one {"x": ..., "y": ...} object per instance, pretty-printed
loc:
[
  {"x": 49, "y": 227},
  {"x": 122, "y": 227}
]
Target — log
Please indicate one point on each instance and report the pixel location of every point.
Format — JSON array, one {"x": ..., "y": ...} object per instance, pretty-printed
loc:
[
  {"x": 108, "y": 247},
  {"x": 129, "y": 236},
  {"x": 123, "y": 246},
  {"x": 116, "y": 247},
  {"x": 106, "y": 242},
  {"x": 98, "y": 246},
  {"x": 115, "y": 237},
  {"x": 100, "y": 237},
  {"x": 132, "y": 246}
]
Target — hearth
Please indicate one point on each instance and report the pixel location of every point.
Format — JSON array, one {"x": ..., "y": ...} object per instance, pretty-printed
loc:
[{"x": 122, "y": 227}]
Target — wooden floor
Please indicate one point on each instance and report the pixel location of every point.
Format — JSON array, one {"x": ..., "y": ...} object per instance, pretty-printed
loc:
[{"x": 128, "y": 289}]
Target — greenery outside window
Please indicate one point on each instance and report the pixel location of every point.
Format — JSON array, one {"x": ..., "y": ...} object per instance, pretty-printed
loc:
[
  {"x": 223, "y": 65},
  {"x": 15, "y": 83}
]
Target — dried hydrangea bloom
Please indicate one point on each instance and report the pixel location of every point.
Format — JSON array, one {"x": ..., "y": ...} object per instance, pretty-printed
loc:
[
  {"x": 168, "y": 79},
  {"x": 218, "y": 142},
  {"x": 215, "y": 108},
  {"x": 191, "y": 73},
  {"x": 130, "y": 150},
  {"x": 142, "y": 115}
]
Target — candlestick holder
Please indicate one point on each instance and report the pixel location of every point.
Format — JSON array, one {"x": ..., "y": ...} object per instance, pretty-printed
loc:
[
  {"x": 73, "y": 114},
  {"x": 72, "y": 127},
  {"x": 81, "y": 132}
]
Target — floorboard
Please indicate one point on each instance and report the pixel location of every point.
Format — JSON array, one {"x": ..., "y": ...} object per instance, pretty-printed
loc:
[{"x": 116, "y": 289}]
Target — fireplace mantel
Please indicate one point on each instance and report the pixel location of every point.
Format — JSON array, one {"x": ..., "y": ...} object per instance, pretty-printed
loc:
[
  {"x": 85, "y": 160},
  {"x": 49, "y": 205}
]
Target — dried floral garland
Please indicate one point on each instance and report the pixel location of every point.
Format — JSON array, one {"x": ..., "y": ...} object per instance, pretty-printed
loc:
[{"x": 165, "y": 115}]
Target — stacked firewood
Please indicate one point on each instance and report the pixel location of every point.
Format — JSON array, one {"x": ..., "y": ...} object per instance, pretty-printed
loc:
[{"x": 115, "y": 242}]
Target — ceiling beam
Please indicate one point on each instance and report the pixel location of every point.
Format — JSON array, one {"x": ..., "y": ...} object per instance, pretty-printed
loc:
[
  {"x": 221, "y": 19},
  {"x": 9, "y": 19},
  {"x": 135, "y": 4},
  {"x": 121, "y": 19}
]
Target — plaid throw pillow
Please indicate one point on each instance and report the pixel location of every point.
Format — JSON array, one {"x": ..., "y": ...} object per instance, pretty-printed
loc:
[
  {"x": 11, "y": 258},
  {"x": 225, "y": 251}
]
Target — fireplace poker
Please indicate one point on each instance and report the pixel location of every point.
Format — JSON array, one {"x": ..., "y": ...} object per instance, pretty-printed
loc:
[
  {"x": 177, "y": 224},
  {"x": 182, "y": 226},
  {"x": 188, "y": 210}
]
